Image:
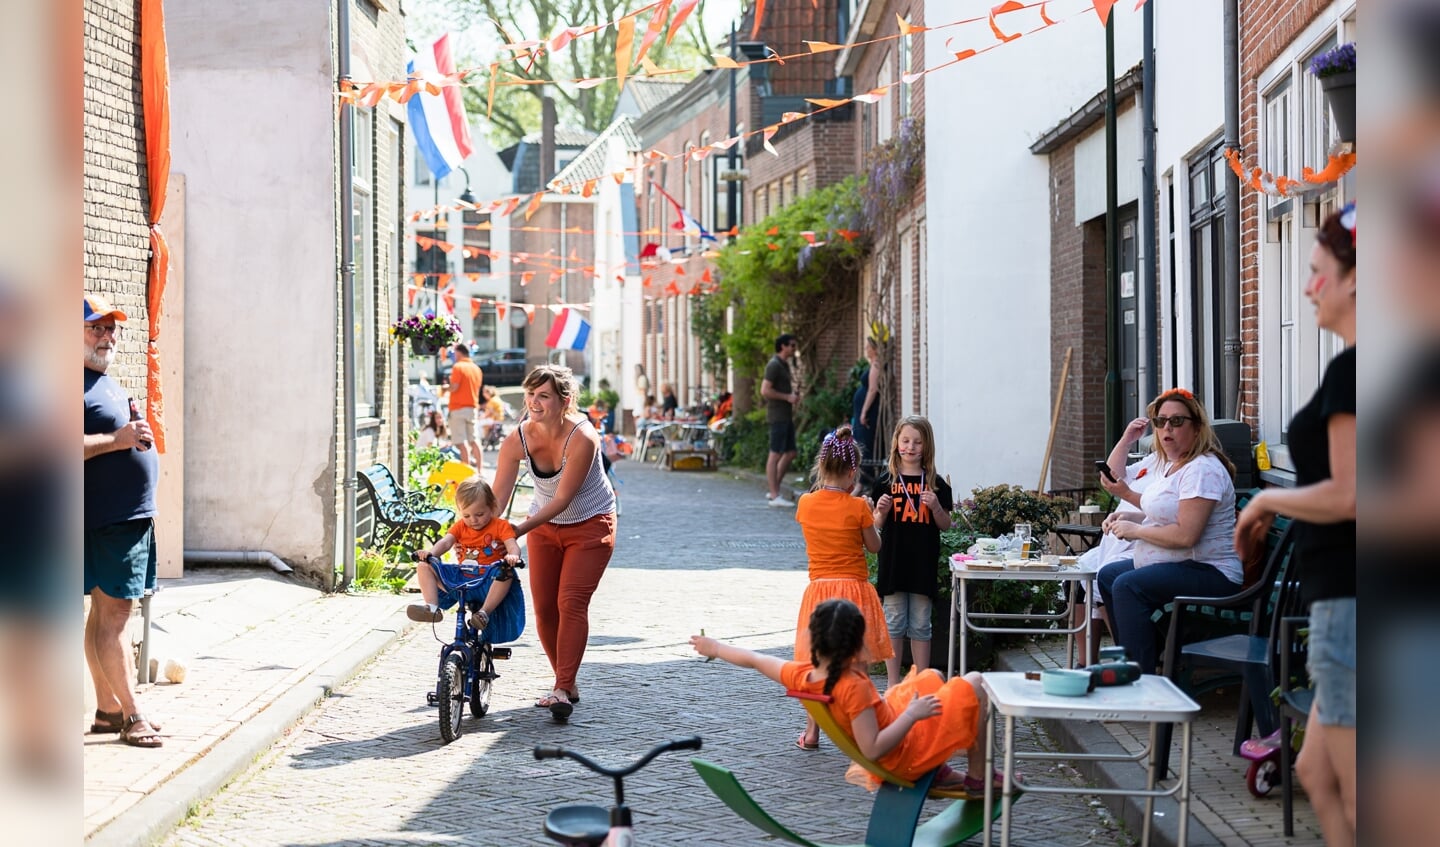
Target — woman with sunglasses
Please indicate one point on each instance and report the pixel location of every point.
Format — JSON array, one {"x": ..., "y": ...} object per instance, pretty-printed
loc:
[
  {"x": 1322, "y": 503},
  {"x": 1184, "y": 532}
]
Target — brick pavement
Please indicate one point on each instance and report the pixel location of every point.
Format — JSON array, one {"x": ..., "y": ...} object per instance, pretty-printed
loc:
[{"x": 696, "y": 551}]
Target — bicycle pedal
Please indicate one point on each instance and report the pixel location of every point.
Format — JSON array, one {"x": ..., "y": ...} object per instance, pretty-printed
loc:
[
  {"x": 500, "y": 652},
  {"x": 431, "y": 699}
]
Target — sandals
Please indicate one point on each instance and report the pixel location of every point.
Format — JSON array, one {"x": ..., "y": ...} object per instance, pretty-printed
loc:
[
  {"x": 559, "y": 704},
  {"x": 807, "y": 745},
  {"x": 138, "y": 732},
  {"x": 112, "y": 722},
  {"x": 549, "y": 697},
  {"x": 976, "y": 785}
]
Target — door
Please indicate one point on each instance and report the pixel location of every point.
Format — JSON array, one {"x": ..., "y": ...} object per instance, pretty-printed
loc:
[{"x": 1130, "y": 400}]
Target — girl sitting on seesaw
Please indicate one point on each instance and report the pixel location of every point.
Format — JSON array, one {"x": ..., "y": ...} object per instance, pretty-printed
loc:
[{"x": 918, "y": 724}]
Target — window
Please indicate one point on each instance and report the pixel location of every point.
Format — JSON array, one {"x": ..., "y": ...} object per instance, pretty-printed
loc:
[
  {"x": 430, "y": 260},
  {"x": 760, "y": 211},
  {"x": 709, "y": 186},
  {"x": 802, "y": 182},
  {"x": 903, "y": 66},
  {"x": 885, "y": 106},
  {"x": 476, "y": 239},
  {"x": 1207, "y": 272},
  {"x": 1296, "y": 131},
  {"x": 772, "y": 197},
  {"x": 362, "y": 167},
  {"x": 844, "y": 15},
  {"x": 483, "y": 329}
]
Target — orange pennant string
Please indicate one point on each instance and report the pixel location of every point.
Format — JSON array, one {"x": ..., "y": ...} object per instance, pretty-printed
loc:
[
  {"x": 759, "y": 16},
  {"x": 686, "y": 6},
  {"x": 822, "y": 46},
  {"x": 907, "y": 28},
  {"x": 1046, "y": 18},
  {"x": 723, "y": 61},
  {"x": 534, "y": 204},
  {"x": 527, "y": 277},
  {"x": 1007, "y": 6},
  {"x": 657, "y": 23},
  {"x": 1102, "y": 8},
  {"x": 624, "y": 41}
]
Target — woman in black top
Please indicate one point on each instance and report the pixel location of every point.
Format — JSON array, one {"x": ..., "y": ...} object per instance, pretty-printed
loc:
[{"x": 1322, "y": 503}]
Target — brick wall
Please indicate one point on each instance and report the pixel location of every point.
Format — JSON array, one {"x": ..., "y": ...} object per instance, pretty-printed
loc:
[
  {"x": 116, "y": 197},
  {"x": 1077, "y": 321},
  {"x": 1267, "y": 27}
]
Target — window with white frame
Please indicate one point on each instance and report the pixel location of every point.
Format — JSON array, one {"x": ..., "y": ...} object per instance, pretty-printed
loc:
[
  {"x": 902, "y": 67},
  {"x": 885, "y": 106},
  {"x": 1296, "y": 132},
  {"x": 362, "y": 165},
  {"x": 709, "y": 168}
]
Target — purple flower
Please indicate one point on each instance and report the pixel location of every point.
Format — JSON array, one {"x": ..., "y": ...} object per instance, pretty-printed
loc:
[{"x": 1340, "y": 60}]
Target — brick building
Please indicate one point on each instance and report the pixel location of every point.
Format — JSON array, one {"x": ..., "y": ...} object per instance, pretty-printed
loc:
[{"x": 1285, "y": 125}]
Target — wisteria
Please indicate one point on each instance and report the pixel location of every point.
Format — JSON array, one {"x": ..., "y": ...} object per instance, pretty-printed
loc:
[{"x": 895, "y": 168}]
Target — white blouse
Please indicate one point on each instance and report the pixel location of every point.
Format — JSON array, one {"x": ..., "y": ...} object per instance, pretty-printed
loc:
[{"x": 1203, "y": 477}]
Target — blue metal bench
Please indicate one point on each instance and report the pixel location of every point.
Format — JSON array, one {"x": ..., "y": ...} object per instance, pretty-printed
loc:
[{"x": 401, "y": 517}]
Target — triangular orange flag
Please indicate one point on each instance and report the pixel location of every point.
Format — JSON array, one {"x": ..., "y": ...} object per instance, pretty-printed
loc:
[
  {"x": 680, "y": 15},
  {"x": 534, "y": 204},
  {"x": 774, "y": 230},
  {"x": 705, "y": 277},
  {"x": 526, "y": 277},
  {"x": 647, "y": 281},
  {"x": 657, "y": 24},
  {"x": 1102, "y": 8},
  {"x": 624, "y": 42},
  {"x": 906, "y": 27},
  {"x": 410, "y": 292},
  {"x": 474, "y": 309},
  {"x": 1011, "y": 6},
  {"x": 679, "y": 270},
  {"x": 529, "y": 313},
  {"x": 672, "y": 288},
  {"x": 759, "y": 16},
  {"x": 500, "y": 310}
]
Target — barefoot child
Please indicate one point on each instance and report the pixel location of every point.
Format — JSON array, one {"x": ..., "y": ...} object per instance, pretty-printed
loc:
[
  {"x": 480, "y": 537},
  {"x": 912, "y": 507},
  {"x": 838, "y": 530},
  {"x": 916, "y": 727}
]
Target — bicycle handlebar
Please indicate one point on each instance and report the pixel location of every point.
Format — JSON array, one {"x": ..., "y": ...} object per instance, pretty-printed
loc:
[
  {"x": 551, "y": 751},
  {"x": 435, "y": 562}
]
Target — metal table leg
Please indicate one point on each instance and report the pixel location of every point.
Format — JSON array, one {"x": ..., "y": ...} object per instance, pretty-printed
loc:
[
  {"x": 954, "y": 598},
  {"x": 989, "y": 768}
]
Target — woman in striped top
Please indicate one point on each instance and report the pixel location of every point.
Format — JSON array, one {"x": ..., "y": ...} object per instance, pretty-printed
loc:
[{"x": 571, "y": 522}]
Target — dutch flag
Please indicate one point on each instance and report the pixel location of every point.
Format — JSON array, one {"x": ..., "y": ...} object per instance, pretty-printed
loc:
[
  {"x": 569, "y": 332},
  {"x": 441, "y": 128}
]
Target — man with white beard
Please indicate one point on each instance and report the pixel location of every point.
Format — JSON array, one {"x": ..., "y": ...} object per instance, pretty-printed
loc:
[{"x": 120, "y": 475}]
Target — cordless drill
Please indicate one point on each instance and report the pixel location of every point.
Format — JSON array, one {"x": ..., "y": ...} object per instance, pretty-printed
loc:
[{"x": 1113, "y": 673}]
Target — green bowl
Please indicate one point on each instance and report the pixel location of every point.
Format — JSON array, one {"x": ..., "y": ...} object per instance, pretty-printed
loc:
[{"x": 1065, "y": 683}]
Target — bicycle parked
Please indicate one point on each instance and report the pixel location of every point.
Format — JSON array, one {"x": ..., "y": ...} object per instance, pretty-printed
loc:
[
  {"x": 467, "y": 663},
  {"x": 594, "y": 826}
]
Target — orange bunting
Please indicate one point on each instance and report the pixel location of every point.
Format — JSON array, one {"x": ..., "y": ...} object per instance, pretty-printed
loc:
[
  {"x": 410, "y": 292},
  {"x": 822, "y": 46},
  {"x": 1047, "y": 19},
  {"x": 825, "y": 104},
  {"x": 1102, "y": 8},
  {"x": 1007, "y": 6},
  {"x": 588, "y": 188},
  {"x": 534, "y": 204},
  {"x": 809, "y": 236},
  {"x": 647, "y": 281},
  {"x": 527, "y": 277},
  {"x": 686, "y": 6},
  {"x": 705, "y": 277},
  {"x": 723, "y": 61},
  {"x": 963, "y": 55},
  {"x": 474, "y": 309},
  {"x": 759, "y": 16},
  {"x": 847, "y": 234},
  {"x": 624, "y": 41},
  {"x": 657, "y": 24},
  {"x": 672, "y": 288},
  {"x": 1280, "y": 186},
  {"x": 906, "y": 28},
  {"x": 774, "y": 230},
  {"x": 500, "y": 310}
]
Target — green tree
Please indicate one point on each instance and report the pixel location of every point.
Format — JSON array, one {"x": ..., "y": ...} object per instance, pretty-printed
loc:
[{"x": 515, "y": 110}]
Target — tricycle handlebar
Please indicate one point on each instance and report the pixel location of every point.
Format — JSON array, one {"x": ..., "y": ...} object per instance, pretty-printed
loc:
[{"x": 551, "y": 751}]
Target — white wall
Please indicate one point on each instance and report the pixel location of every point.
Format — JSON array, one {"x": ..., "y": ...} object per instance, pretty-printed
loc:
[
  {"x": 252, "y": 131},
  {"x": 988, "y": 201}
]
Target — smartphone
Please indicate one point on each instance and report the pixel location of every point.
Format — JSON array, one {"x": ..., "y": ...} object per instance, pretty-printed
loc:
[{"x": 1104, "y": 467}]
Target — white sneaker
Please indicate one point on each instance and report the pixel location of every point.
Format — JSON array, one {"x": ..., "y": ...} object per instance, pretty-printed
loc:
[{"x": 782, "y": 503}]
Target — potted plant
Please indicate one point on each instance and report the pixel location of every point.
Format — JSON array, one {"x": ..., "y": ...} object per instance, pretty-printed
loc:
[
  {"x": 1336, "y": 71},
  {"x": 427, "y": 333}
]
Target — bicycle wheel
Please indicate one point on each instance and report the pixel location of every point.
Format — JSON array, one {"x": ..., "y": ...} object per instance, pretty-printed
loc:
[
  {"x": 480, "y": 687},
  {"x": 451, "y": 695}
]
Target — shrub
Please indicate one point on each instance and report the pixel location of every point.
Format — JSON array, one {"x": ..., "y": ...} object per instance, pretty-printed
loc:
[{"x": 746, "y": 441}]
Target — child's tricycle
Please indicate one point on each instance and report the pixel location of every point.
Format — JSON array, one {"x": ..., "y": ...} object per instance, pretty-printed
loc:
[{"x": 467, "y": 664}]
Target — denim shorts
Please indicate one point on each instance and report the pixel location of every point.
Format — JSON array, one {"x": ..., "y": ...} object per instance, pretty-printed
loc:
[
  {"x": 1332, "y": 660},
  {"x": 907, "y": 615}
]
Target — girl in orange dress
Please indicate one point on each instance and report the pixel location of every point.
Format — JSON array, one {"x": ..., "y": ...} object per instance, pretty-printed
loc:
[
  {"x": 916, "y": 727},
  {"x": 838, "y": 529}
]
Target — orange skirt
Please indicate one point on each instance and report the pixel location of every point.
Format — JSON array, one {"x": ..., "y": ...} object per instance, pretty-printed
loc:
[
  {"x": 930, "y": 742},
  {"x": 857, "y": 591}
]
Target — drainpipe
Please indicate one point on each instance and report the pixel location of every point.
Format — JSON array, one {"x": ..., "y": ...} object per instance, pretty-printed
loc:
[
  {"x": 1229, "y": 395},
  {"x": 1149, "y": 355},
  {"x": 347, "y": 296},
  {"x": 237, "y": 557},
  {"x": 1112, "y": 247}
]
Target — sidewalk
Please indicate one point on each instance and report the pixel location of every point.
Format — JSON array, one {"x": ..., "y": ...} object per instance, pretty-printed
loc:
[{"x": 260, "y": 651}]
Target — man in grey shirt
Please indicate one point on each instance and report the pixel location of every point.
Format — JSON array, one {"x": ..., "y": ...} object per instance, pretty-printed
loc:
[{"x": 778, "y": 391}]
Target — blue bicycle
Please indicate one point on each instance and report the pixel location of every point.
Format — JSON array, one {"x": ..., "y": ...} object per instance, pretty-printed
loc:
[{"x": 467, "y": 663}]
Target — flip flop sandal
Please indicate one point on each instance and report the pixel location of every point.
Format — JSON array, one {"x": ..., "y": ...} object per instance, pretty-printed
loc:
[
  {"x": 807, "y": 745},
  {"x": 549, "y": 699},
  {"x": 112, "y": 722},
  {"x": 139, "y": 732}
]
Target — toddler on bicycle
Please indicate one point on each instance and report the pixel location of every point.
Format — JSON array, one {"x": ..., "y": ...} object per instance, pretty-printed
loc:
[{"x": 480, "y": 538}]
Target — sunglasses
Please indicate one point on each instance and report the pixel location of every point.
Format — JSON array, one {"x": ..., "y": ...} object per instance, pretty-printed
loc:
[
  {"x": 1174, "y": 421},
  {"x": 101, "y": 329}
]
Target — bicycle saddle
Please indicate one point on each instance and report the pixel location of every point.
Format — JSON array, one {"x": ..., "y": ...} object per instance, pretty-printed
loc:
[{"x": 578, "y": 826}]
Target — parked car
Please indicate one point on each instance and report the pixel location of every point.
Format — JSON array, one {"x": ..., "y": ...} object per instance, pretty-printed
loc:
[{"x": 503, "y": 367}]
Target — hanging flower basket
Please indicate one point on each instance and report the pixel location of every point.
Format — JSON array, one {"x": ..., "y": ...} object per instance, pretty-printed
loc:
[
  {"x": 1336, "y": 72},
  {"x": 427, "y": 333}
]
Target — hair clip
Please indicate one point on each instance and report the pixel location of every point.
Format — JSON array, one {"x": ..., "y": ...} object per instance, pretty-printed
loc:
[
  {"x": 1177, "y": 392},
  {"x": 1347, "y": 220}
]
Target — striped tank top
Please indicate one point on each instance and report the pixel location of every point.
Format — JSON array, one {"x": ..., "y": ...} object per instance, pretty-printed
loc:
[{"x": 595, "y": 496}]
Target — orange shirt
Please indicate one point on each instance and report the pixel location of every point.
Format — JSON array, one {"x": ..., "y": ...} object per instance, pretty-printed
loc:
[
  {"x": 833, "y": 523},
  {"x": 465, "y": 380},
  {"x": 486, "y": 544}
]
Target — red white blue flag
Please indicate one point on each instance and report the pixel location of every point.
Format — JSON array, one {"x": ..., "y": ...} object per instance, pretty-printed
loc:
[{"x": 569, "y": 332}]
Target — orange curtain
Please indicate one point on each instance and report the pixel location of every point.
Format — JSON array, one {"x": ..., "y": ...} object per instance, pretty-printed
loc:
[{"x": 155, "y": 94}]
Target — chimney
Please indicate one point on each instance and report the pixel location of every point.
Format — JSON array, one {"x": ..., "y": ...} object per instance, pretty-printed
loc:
[{"x": 547, "y": 140}]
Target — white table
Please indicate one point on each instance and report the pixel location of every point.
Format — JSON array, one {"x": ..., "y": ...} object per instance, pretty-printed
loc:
[
  {"x": 961, "y": 618},
  {"x": 1153, "y": 699}
]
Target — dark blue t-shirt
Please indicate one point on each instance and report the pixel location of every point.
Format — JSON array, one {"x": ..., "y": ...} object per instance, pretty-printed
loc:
[{"x": 120, "y": 485}]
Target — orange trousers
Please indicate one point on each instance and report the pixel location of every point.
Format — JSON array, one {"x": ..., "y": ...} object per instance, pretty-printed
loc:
[{"x": 566, "y": 563}]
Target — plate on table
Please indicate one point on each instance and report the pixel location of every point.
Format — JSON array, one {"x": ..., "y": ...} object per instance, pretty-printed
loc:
[
  {"x": 981, "y": 565},
  {"x": 1044, "y": 567}
]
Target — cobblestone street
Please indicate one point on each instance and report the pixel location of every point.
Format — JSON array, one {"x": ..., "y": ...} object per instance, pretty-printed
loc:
[{"x": 698, "y": 550}]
